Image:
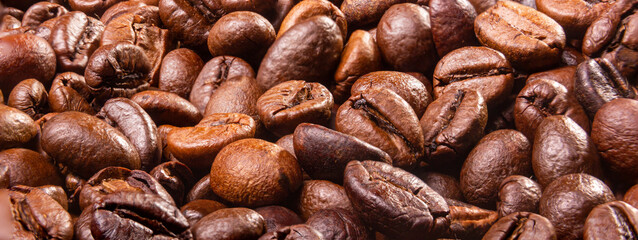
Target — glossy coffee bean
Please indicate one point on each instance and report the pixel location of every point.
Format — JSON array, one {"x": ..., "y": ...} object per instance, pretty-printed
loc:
[
  {"x": 75, "y": 38},
  {"x": 176, "y": 178},
  {"x": 408, "y": 87},
  {"x": 574, "y": 15},
  {"x": 307, "y": 9},
  {"x": 452, "y": 25},
  {"x": 487, "y": 72},
  {"x": 614, "y": 133},
  {"x": 190, "y": 21},
  {"x": 230, "y": 223},
  {"x": 213, "y": 74},
  {"x": 33, "y": 214},
  {"x": 561, "y": 147},
  {"x": 567, "y": 201},
  {"x": 69, "y": 92},
  {"x": 316, "y": 195},
  {"x": 445, "y": 185},
  {"x": 17, "y": 127},
  {"x": 498, "y": 155},
  {"x": 518, "y": 194},
  {"x": 393, "y": 201},
  {"x": 29, "y": 168},
  {"x": 383, "y": 119},
  {"x": 521, "y": 225},
  {"x": 563, "y": 75},
  {"x": 125, "y": 7},
  {"x": 361, "y": 12},
  {"x": 25, "y": 56},
  {"x": 542, "y": 98},
  {"x": 613, "y": 220},
  {"x": 528, "y": 38},
  {"x": 324, "y": 153},
  {"x": 42, "y": 11},
  {"x": 598, "y": 82},
  {"x": 360, "y": 56},
  {"x": 631, "y": 196},
  {"x": 287, "y": 143},
  {"x": 243, "y": 34},
  {"x": 276, "y": 217},
  {"x": 179, "y": 70},
  {"x": 29, "y": 96},
  {"x": 236, "y": 95},
  {"x": 338, "y": 224},
  {"x": 253, "y": 172},
  {"x": 197, "y": 209},
  {"x": 202, "y": 190},
  {"x": 85, "y": 144},
  {"x": 294, "y": 232},
  {"x": 92, "y": 7},
  {"x": 167, "y": 108},
  {"x": 309, "y": 51},
  {"x": 452, "y": 124}
]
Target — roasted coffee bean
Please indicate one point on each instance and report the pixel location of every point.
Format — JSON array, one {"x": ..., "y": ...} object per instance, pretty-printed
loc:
[
  {"x": 338, "y": 224},
  {"x": 528, "y": 38},
  {"x": 287, "y": 143},
  {"x": 198, "y": 146},
  {"x": 168, "y": 108},
  {"x": 360, "y": 13},
  {"x": 54, "y": 191},
  {"x": 176, "y": 178},
  {"x": 236, "y": 95},
  {"x": 518, "y": 194},
  {"x": 69, "y": 92},
  {"x": 307, "y": 9},
  {"x": 631, "y": 196},
  {"x": 85, "y": 144},
  {"x": 561, "y": 147},
  {"x": 574, "y": 16},
  {"x": 34, "y": 215},
  {"x": 405, "y": 39},
  {"x": 189, "y": 21},
  {"x": 445, "y": 185},
  {"x": 29, "y": 96},
  {"x": 359, "y": 57},
  {"x": 467, "y": 221},
  {"x": 282, "y": 8},
  {"x": 406, "y": 86},
  {"x": 202, "y": 190},
  {"x": 290, "y": 103},
  {"x": 179, "y": 70},
  {"x": 9, "y": 23},
  {"x": 92, "y": 7},
  {"x": 316, "y": 195},
  {"x": 523, "y": 226},
  {"x": 125, "y": 7},
  {"x": 452, "y": 25},
  {"x": 452, "y": 124},
  {"x": 475, "y": 68},
  {"x": 118, "y": 70},
  {"x": 614, "y": 132},
  {"x": 541, "y": 99},
  {"x": 565, "y": 76},
  {"x": 567, "y": 201},
  {"x": 309, "y": 51},
  {"x": 253, "y": 172},
  {"x": 75, "y": 38},
  {"x": 395, "y": 202},
  {"x": 498, "y": 155},
  {"x": 213, "y": 74},
  {"x": 1, "y": 97},
  {"x": 29, "y": 168},
  {"x": 262, "y": 7},
  {"x": 197, "y": 209},
  {"x": 572, "y": 56},
  {"x": 276, "y": 217},
  {"x": 324, "y": 153},
  {"x": 613, "y": 220},
  {"x": 42, "y": 11},
  {"x": 146, "y": 216},
  {"x": 111, "y": 180},
  {"x": 383, "y": 119},
  {"x": 17, "y": 127},
  {"x": 230, "y": 223},
  {"x": 598, "y": 82},
  {"x": 131, "y": 119},
  {"x": 24, "y": 56},
  {"x": 294, "y": 232}
]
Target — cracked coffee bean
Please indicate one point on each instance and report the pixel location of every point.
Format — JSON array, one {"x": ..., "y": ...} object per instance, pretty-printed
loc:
[
  {"x": 518, "y": 194},
  {"x": 75, "y": 38},
  {"x": 31, "y": 97},
  {"x": 69, "y": 92},
  {"x": 598, "y": 82},
  {"x": 613, "y": 220},
  {"x": 408, "y": 87},
  {"x": 230, "y": 223},
  {"x": 41, "y": 12},
  {"x": 213, "y": 74},
  {"x": 35, "y": 215},
  {"x": 523, "y": 226}
]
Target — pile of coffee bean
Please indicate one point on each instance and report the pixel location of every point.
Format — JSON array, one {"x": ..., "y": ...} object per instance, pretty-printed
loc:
[{"x": 318, "y": 119}]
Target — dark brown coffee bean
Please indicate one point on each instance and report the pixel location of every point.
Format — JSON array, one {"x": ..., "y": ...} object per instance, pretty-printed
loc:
[
  {"x": 498, "y": 155},
  {"x": 92, "y": 7},
  {"x": 544, "y": 98},
  {"x": 176, "y": 178},
  {"x": 198, "y": 146},
  {"x": 631, "y": 196},
  {"x": 111, "y": 180},
  {"x": 34, "y": 215},
  {"x": 561, "y": 148},
  {"x": 598, "y": 82},
  {"x": 75, "y": 38},
  {"x": 567, "y": 201},
  {"x": 405, "y": 39},
  {"x": 17, "y": 127},
  {"x": 564, "y": 75},
  {"x": 25, "y": 56},
  {"x": 308, "y": 51},
  {"x": 408, "y": 87},
  {"x": 529, "y": 39},
  {"x": 190, "y": 21},
  {"x": 167, "y": 108},
  {"x": 42, "y": 11},
  {"x": 230, "y": 223},
  {"x": 276, "y": 217},
  {"x": 338, "y": 224},
  {"x": 362, "y": 12},
  {"x": 262, "y": 7},
  {"x": 282, "y": 8},
  {"x": 253, "y": 172},
  {"x": 572, "y": 56},
  {"x": 475, "y": 68},
  {"x": 29, "y": 96},
  {"x": 574, "y": 15},
  {"x": 29, "y": 168},
  {"x": 324, "y": 153},
  {"x": 123, "y": 8},
  {"x": 243, "y": 34},
  {"x": 518, "y": 194},
  {"x": 213, "y": 74},
  {"x": 179, "y": 70},
  {"x": 445, "y": 185},
  {"x": 69, "y": 92},
  {"x": 613, "y": 220},
  {"x": 316, "y": 195},
  {"x": 85, "y": 144},
  {"x": 468, "y": 221},
  {"x": 197, "y": 209},
  {"x": 202, "y": 190},
  {"x": 294, "y": 232},
  {"x": 360, "y": 56},
  {"x": 304, "y": 10},
  {"x": 452, "y": 124},
  {"x": 131, "y": 119},
  {"x": 54, "y": 191},
  {"x": 236, "y": 95},
  {"x": 614, "y": 132},
  {"x": 395, "y": 202},
  {"x": 452, "y": 25},
  {"x": 523, "y": 226},
  {"x": 383, "y": 119}
]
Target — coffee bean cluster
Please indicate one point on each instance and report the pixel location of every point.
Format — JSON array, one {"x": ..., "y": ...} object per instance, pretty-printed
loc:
[{"x": 318, "y": 119}]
